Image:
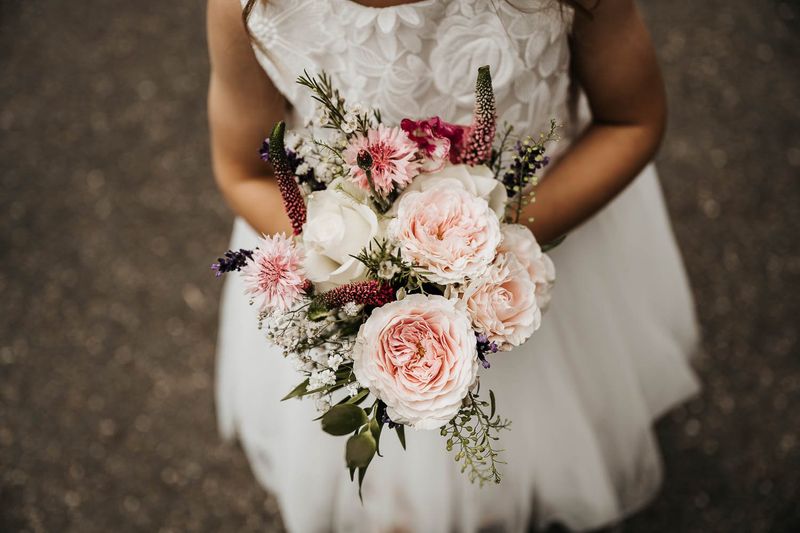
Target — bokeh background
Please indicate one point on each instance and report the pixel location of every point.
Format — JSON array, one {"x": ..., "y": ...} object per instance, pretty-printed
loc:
[{"x": 110, "y": 219}]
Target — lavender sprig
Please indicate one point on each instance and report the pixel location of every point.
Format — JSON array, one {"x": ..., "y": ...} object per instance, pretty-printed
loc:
[
  {"x": 528, "y": 159},
  {"x": 232, "y": 261},
  {"x": 485, "y": 347}
]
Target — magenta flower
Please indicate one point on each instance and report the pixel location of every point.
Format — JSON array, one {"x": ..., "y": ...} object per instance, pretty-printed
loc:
[
  {"x": 393, "y": 157},
  {"x": 275, "y": 275},
  {"x": 437, "y": 140}
]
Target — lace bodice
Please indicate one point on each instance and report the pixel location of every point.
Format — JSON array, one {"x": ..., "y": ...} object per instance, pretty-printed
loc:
[{"x": 419, "y": 60}]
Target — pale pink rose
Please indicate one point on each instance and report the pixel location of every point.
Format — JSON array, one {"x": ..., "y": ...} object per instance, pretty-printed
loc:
[
  {"x": 478, "y": 180},
  {"x": 448, "y": 232},
  {"x": 519, "y": 240},
  {"x": 502, "y": 304},
  {"x": 275, "y": 276},
  {"x": 419, "y": 356},
  {"x": 393, "y": 155}
]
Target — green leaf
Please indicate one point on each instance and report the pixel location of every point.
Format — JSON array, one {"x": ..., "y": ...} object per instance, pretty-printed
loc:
[
  {"x": 401, "y": 434},
  {"x": 360, "y": 450},
  {"x": 343, "y": 419},
  {"x": 493, "y": 403},
  {"x": 552, "y": 244},
  {"x": 361, "y": 473},
  {"x": 358, "y": 398},
  {"x": 300, "y": 390},
  {"x": 375, "y": 428},
  {"x": 317, "y": 311}
]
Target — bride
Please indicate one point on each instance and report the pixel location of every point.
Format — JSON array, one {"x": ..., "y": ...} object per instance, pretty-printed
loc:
[{"x": 610, "y": 358}]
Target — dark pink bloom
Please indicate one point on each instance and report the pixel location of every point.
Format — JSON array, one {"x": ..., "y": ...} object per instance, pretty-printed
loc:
[
  {"x": 439, "y": 140},
  {"x": 369, "y": 292},
  {"x": 287, "y": 183}
]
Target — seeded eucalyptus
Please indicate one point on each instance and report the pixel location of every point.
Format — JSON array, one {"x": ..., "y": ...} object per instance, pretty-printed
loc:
[{"x": 472, "y": 434}]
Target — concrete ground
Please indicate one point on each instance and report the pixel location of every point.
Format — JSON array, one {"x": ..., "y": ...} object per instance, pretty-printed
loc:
[{"x": 110, "y": 218}]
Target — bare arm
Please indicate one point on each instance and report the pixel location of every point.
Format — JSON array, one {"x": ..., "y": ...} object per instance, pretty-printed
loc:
[
  {"x": 243, "y": 104},
  {"x": 615, "y": 64}
]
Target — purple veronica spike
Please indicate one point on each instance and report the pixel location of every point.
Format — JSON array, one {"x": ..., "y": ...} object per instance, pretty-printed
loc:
[
  {"x": 478, "y": 145},
  {"x": 290, "y": 191}
]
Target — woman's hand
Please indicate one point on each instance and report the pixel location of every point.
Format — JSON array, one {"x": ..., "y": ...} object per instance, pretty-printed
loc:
[
  {"x": 615, "y": 64},
  {"x": 243, "y": 105}
]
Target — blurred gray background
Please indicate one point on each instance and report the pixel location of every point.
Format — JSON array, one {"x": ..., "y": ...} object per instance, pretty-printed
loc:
[{"x": 110, "y": 219}]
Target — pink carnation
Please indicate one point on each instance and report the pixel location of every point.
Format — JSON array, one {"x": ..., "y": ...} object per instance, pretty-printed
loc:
[
  {"x": 275, "y": 274},
  {"x": 419, "y": 356},
  {"x": 502, "y": 303},
  {"x": 393, "y": 159}
]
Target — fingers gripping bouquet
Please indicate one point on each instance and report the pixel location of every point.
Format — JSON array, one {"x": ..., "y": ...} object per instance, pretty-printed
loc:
[{"x": 406, "y": 273}]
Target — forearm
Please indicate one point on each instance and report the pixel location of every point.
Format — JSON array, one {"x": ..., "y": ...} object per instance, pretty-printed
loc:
[
  {"x": 258, "y": 201},
  {"x": 597, "y": 167}
]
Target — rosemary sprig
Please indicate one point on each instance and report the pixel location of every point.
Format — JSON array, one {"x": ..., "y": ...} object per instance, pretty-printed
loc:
[{"x": 337, "y": 116}]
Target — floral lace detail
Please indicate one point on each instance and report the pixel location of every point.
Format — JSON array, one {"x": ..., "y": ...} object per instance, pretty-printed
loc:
[{"x": 417, "y": 60}]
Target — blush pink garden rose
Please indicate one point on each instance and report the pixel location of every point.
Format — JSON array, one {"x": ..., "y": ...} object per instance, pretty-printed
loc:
[
  {"x": 419, "y": 356},
  {"x": 478, "y": 180},
  {"x": 450, "y": 233},
  {"x": 275, "y": 278},
  {"x": 394, "y": 159},
  {"x": 519, "y": 240},
  {"x": 502, "y": 304}
]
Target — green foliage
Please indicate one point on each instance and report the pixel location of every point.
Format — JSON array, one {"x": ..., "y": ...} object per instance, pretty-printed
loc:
[
  {"x": 380, "y": 253},
  {"x": 343, "y": 419},
  {"x": 360, "y": 450},
  {"x": 496, "y": 161},
  {"x": 472, "y": 434},
  {"x": 298, "y": 391},
  {"x": 401, "y": 434},
  {"x": 333, "y": 102},
  {"x": 529, "y": 160},
  {"x": 552, "y": 244}
]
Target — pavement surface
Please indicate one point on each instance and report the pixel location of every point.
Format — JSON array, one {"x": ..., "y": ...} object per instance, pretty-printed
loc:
[{"x": 109, "y": 217}]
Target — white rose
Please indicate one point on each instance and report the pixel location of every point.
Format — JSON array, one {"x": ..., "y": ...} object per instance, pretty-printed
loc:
[
  {"x": 478, "y": 180},
  {"x": 337, "y": 228},
  {"x": 519, "y": 240}
]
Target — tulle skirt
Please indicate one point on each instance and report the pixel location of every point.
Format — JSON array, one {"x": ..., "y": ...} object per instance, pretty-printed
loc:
[{"x": 611, "y": 357}]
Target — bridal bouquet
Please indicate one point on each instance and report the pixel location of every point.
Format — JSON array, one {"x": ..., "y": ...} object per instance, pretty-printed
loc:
[{"x": 407, "y": 271}]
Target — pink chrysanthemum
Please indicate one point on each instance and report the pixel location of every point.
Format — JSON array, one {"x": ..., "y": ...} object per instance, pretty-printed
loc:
[
  {"x": 393, "y": 159},
  {"x": 275, "y": 274}
]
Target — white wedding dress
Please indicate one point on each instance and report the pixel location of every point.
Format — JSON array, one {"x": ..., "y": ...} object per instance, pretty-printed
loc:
[{"x": 611, "y": 355}]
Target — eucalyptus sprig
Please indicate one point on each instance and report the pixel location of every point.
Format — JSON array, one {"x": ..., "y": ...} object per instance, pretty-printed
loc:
[{"x": 472, "y": 433}]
